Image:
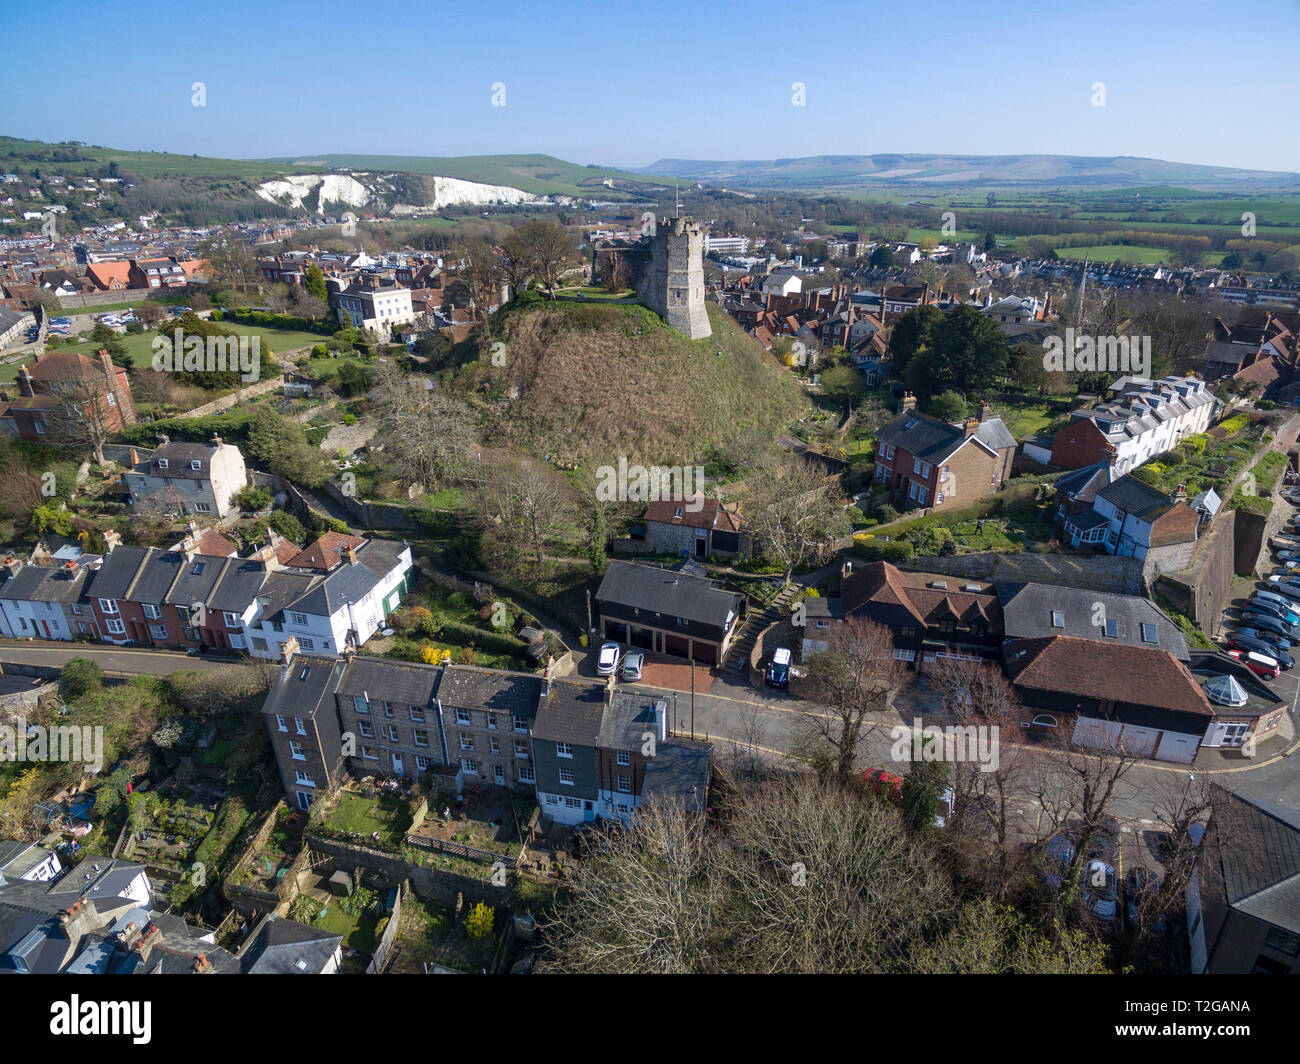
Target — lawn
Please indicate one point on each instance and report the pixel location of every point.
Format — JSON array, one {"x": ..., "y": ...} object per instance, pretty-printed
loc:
[
  {"x": 1028, "y": 414},
  {"x": 1116, "y": 253},
  {"x": 594, "y": 292},
  {"x": 359, "y": 815},
  {"x": 357, "y": 931}
]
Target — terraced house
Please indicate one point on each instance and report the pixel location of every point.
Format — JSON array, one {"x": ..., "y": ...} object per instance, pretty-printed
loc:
[
  {"x": 583, "y": 750},
  {"x": 336, "y": 597}
]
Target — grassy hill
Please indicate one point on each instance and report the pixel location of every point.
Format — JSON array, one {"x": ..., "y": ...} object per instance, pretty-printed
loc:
[
  {"x": 587, "y": 384},
  {"x": 83, "y": 159},
  {"x": 845, "y": 172},
  {"x": 539, "y": 174}
]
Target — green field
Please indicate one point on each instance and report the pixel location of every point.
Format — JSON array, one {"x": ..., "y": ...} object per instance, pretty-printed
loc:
[
  {"x": 1116, "y": 253},
  {"x": 71, "y": 159}
]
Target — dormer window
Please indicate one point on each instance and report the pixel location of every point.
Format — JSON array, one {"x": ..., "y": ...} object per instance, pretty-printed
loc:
[
  {"x": 196, "y": 464},
  {"x": 1058, "y": 619},
  {"x": 162, "y": 463}
]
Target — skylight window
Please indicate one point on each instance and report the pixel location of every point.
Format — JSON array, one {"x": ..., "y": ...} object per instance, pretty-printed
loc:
[
  {"x": 1149, "y": 633},
  {"x": 1112, "y": 627},
  {"x": 1058, "y": 619}
]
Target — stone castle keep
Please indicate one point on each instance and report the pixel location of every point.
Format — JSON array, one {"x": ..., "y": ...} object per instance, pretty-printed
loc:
[{"x": 668, "y": 275}]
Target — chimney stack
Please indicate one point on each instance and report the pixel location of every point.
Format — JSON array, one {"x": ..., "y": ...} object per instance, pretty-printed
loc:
[
  {"x": 909, "y": 402},
  {"x": 288, "y": 650},
  {"x": 352, "y": 555},
  {"x": 216, "y": 441},
  {"x": 111, "y": 540},
  {"x": 972, "y": 425},
  {"x": 163, "y": 440},
  {"x": 985, "y": 411}
]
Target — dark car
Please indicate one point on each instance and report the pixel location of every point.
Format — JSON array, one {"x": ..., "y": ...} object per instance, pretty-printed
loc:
[
  {"x": 1240, "y": 641},
  {"x": 778, "y": 671},
  {"x": 1258, "y": 611},
  {"x": 1281, "y": 642},
  {"x": 1274, "y": 604},
  {"x": 1265, "y": 623}
]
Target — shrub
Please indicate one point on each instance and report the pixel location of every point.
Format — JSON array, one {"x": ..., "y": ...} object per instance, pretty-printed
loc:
[
  {"x": 478, "y": 924},
  {"x": 882, "y": 550},
  {"x": 885, "y": 513},
  {"x": 80, "y": 676}
]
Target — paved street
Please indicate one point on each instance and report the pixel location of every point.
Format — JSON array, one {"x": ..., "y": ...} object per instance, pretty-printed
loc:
[{"x": 115, "y": 661}]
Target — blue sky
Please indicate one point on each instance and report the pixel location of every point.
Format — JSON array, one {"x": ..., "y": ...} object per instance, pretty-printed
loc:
[{"x": 628, "y": 83}]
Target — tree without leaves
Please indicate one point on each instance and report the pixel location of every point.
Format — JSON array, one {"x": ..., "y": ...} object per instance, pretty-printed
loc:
[
  {"x": 87, "y": 415},
  {"x": 850, "y": 681},
  {"x": 526, "y": 504},
  {"x": 436, "y": 431},
  {"x": 795, "y": 513}
]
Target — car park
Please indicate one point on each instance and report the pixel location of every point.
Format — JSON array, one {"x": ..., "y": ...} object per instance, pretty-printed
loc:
[
  {"x": 178, "y": 311},
  {"x": 1280, "y": 642},
  {"x": 608, "y": 658},
  {"x": 633, "y": 663},
  {"x": 1259, "y": 664}
]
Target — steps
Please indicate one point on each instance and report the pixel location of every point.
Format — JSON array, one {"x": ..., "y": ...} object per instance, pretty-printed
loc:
[{"x": 756, "y": 622}]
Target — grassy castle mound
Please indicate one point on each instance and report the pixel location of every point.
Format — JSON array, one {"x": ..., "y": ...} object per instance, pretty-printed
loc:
[{"x": 588, "y": 383}]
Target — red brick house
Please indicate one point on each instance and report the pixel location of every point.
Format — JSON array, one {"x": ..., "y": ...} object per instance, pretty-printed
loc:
[
  {"x": 928, "y": 462},
  {"x": 38, "y": 410}
]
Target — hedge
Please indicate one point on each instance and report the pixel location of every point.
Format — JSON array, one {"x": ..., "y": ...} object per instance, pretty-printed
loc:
[
  {"x": 883, "y": 550},
  {"x": 326, "y": 327}
]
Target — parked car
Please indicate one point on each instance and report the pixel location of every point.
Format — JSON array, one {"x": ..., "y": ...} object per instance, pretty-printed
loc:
[
  {"x": 60, "y": 321},
  {"x": 778, "y": 670},
  {"x": 1259, "y": 664},
  {"x": 1285, "y": 585},
  {"x": 1263, "y": 622},
  {"x": 1281, "y": 642},
  {"x": 608, "y": 658},
  {"x": 1241, "y": 641},
  {"x": 1284, "y": 607},
  {"x": 1286, "y": 616},
  {"x": 633, "y": 663},
  {"x": 178, "y": 311},
  {"x": 882, "y": 781}
]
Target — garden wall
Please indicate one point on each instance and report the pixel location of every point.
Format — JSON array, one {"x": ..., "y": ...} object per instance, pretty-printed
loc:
[{"x": 1202, "y": 590}]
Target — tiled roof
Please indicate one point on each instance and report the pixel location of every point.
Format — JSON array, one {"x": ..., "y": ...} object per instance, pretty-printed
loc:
[
  {"x": 1105, "y": 672},
  {"x": 696, "y": 512}
]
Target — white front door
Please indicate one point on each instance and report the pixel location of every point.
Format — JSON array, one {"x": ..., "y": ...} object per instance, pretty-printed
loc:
[{"x": 397, "y": 764}]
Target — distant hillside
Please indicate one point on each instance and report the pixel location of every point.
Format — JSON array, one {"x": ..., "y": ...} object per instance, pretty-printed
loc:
[
  {"x": 588, "y": 383},
  {"x": 542, "y": 175},
  {"x": 83, "y": 159},
  {"x": 846, "y": 172}
]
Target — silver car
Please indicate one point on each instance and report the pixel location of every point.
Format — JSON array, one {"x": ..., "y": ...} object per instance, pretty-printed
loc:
[{"x": 633, "y": 663}]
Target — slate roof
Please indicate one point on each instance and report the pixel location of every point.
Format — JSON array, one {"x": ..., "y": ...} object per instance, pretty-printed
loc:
[
  {"x": 628, "y": 718},
  {"x": 1259, "y": 852},
  {"x": 1027, "y": 613},
  {"x": 198, "y": 576},
  {"x": 926, "y": 437},
  {"x": 1082, "y": 484},
  {"x": 237, "y": 586},
  {"x": 571, "y": 712},
  {"x": 678, "y": 774},
  {"x": 663, "y": 591},
  {"x": 1129, "y": 493},
  {"x": 465, "y": 687},
  {"x": 385, "y": 680},
  {"x": 285, "y": 947},
  {"x": 156, "y": 576},
  {"x": 118, "y": 571},
  {"x": 304, "y": 686},
  {"x": 178, "y": 455},
  {"x": 45, "y": 583},
  {"x": 995, "y": 433}
]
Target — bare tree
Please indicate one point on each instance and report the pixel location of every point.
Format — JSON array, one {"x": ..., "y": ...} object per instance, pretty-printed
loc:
[
  {"x": 851, "y": 681},
  {"x": 644, "y": 905},
  {"x": 526, "y": 504},
  {"x": 429, "y": 434},
  {"x": 549, "y": 251},
  {"x": 795, "y": 514},
  {"x": 88, "y": 413}
]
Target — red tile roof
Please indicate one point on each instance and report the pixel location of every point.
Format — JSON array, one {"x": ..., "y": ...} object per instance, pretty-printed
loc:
[
  {"x": 326, "y": 552},
  {"x": 1105, "y": 672},
  {"x": 710, "y": 513}
]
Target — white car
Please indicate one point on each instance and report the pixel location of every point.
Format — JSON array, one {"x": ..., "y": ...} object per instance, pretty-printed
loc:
[{"x": 608, "y": 658}]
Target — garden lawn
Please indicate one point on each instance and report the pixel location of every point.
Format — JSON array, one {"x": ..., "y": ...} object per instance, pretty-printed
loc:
[
  {"x": 357, "y": 931},
  {"x": 365, "y": 816}
]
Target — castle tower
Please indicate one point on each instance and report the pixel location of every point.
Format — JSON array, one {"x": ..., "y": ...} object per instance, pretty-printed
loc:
[{"x": 674, "y": 288}]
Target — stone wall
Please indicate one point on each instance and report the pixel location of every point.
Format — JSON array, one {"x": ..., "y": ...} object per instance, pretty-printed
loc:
[{"x": 1202, "y": 589}]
